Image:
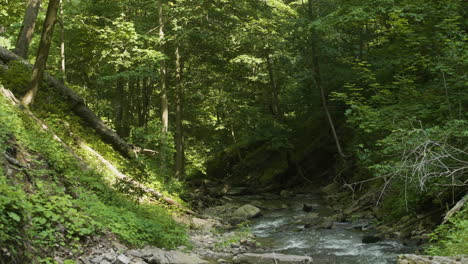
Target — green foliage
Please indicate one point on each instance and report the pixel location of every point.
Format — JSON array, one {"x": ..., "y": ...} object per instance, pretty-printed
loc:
[
  {"x": 450, "y": 239},
  {"x": 57, "y": 221},
  {"x": 137, "y": 225},
  {"x": 67, "y": 204},
  {"x": 17, "y": 76},
  {"x": 405, "y": 105},
  {"x": 13, "y": 216}
]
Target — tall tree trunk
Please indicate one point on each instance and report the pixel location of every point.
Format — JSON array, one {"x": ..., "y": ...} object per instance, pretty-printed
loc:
[
  {"x": 62, "y": 43},
  {"x": 120, "y": 97},
  {"x": 164, "y": 101},
  {"x": 236, "y": 144},
  {"x": 78, "y": 107},
  {"x": 318, "y": 81},
  {"x": 43, "y": 52},
  {"x": 146, "y": 100},
  {"x": 274, "y": 87},
  {"x": 179, "y": 133},
  {"x": 27, "y": 29}
]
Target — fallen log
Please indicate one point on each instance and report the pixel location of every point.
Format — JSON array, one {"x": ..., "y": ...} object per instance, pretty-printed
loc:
[
  {"x": 455, "y": 209},
  {"x": 79, "y": 107},
  {"x": 83, "y": 165}
]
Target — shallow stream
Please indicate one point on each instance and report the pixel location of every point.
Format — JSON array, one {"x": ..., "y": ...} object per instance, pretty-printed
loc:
[{"x": 281, "y": 230}]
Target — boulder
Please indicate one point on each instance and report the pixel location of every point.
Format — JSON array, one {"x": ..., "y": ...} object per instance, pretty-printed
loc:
[
  {"x": 204, "y": 224},
  {"x": 247, "y": 212},
  {"x": 159, "y": 256},
  {"x": 416, "y": 259},
  {"x": 287, "y": 194},
  {"x": 368, "y": 239},
  {"x": 268, "y": 258},
  {"x": 326, "y": 224},
  {"x": 307, "y": 208}
]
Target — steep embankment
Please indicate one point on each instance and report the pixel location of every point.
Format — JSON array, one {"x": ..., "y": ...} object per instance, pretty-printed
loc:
[{"x": 61, "y": 186}]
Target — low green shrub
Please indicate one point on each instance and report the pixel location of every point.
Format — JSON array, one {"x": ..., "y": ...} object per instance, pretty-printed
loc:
[{"x": 450, "y": 239}]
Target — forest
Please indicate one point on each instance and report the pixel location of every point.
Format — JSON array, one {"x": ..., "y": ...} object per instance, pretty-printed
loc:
[{"x": 233, "y": 131}]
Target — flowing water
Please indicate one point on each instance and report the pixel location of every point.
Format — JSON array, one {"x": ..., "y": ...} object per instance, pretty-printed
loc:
[{"x": 281, "y": 230}]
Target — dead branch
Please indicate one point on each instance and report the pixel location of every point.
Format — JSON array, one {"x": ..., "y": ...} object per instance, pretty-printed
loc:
[{"x": 455, "y": 209}]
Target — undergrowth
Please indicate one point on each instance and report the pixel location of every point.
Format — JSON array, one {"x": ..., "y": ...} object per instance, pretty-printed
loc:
[
  {"x": 451, "y": 238},
  {"x": 53, "y": 205}
]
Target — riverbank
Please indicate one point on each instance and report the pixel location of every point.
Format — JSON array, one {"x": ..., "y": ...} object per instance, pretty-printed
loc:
[{"x": 289, "y": 227}]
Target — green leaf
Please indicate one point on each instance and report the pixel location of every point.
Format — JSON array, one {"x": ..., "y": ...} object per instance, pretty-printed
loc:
[{"x": 14, "y": 216}]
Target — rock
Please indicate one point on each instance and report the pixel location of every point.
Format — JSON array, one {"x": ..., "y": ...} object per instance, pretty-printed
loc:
[
  {"x": 326, "y": 224},
  {"x": 247, "y": 212},
  {"x": 247, "y": 243},
  {"x": 122, "y": 259},
  {"x": 97, "y": 259},
  {"x": 204, "y": 224},
  {"x": 416, "y": 259},
  {"x": 138, "y": 261},
  {"x": 307, "y": 208},
  {"x": 235, "y": 191},
  {"x": 109, "y": 256},
  {"x": 312, "y": 216},
  {"x": 257, "y": 203},
  {"x": 159, "y": 256},
  {"x": 105, "y": 262},
  {"x": 331, "y": 188},
  {"x": 287, "y": 194},
  {"x": 136, "y": 253},
  {"x": 368, "y": 239},
  {"x": 268, "y": 258}
]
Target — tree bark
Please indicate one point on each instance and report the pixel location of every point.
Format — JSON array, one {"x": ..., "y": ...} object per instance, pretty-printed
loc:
[
  {"x": 27, "y": 29},
  {"x": 62, "y": 43},
  {"x": 164, "y": 101},
  {"x": 120, "y": 97},
  {"x": 79, "y": 107},
  {"x": 146, "y": 100},
  {"x": 43, "y": 52},
  {"x": 318, "y": 81},
  {"x": 274, "y": 87},
  {"x": 179, "y": 136}
]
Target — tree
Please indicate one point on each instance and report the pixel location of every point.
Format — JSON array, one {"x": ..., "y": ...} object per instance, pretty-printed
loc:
[
  {"x": 27, "y": 29},
  {"x": 179, "y": 132},
  {"x": 43, "y": 52},
  {"x": 163, "y": 84}
]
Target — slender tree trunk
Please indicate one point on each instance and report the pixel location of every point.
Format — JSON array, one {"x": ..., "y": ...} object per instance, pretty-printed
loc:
[
  {"x": 146, "y": 98},
  {"x": 179, "y": 133},
  {"x": 43, "y": 52},
  {"x": 164, "y": 101},
  {"x": 119, "y": 109},
  {"x": 236, "y": 145},
  {"x": 27, "y": 29},
  {"x": 274, "y": 87},
  {"x": 318, "y": 81},
  {"x": 62, "y": 43}
]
